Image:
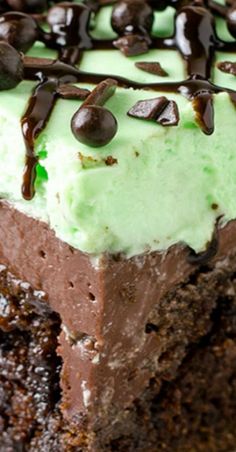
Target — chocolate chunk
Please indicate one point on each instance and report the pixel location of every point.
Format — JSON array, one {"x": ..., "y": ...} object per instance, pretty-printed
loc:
[
  {"x": 72, "y": 92},
  {"x": 148, "y": 109},
  {"x": 227, "y": 66},
  {"x": 132, "y": 16},
  {"x": 170, "y": 115},
  {"x": 11, "y": 66},
  {"x": 18, "y": 29},
  {"x": 102, "y": 92},
  {"x": 160, "y": 109},
  {"x": 131, "y": 45},
  {"x": 152, "y": 68},
  {"x": 94, "y": 125}
]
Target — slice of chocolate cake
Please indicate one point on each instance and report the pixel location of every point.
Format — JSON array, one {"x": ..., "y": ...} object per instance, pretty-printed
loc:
[{"x": 117, "y": 226}]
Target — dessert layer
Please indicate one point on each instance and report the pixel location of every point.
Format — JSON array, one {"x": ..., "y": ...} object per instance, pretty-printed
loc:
[
  {"x": 93, "y": 301},
  {"x": 151, "y": 186},
  {"x": 190, "y": 340}
]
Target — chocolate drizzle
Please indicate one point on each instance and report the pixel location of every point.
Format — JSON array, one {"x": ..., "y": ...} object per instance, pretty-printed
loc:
[
  {"x": 33, "y": 122},
  {"x": 194, "y": 37}
]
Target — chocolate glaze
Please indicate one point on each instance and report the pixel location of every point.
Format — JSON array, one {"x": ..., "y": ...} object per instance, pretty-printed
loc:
[{"x": 194, "y": 37}]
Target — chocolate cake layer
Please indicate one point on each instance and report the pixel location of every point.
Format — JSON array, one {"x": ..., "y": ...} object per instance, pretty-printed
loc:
[
  {"x": 105, "y": 368},
  {"x": 188, "y": 404}
]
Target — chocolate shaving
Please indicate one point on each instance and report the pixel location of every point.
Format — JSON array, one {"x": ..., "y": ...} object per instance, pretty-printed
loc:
[
  {"x": 72, "y": 92},
  {"x": 228, "y": 67},
  {"x": 152, "y": 68},
  {"x": 132, "y": 45},
  {"x": 204, "y": 257},
  {"x": 160, "y": 109}
]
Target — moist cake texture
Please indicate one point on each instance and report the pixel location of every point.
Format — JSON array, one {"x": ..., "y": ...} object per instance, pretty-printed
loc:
[{"x": 117, "y": 226}]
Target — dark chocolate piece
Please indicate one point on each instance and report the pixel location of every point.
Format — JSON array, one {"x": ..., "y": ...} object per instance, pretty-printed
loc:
[
  {"x": 101, "y": 93},
  {"x": 152, "y": 68},
  {"x": 93, "y": 124},
  {"x": 170, "y": 115},
  {"x": 11, "y": 66},
  {"x": 132, "y": 45},
  {"x": 160, "y": 109},
  {"x": 72, "y": 92},
  {"x": 227, "y": 66},
  {"x": 148, "y": 109}
]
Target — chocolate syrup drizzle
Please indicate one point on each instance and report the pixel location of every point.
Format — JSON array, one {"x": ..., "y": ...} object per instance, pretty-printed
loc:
[{"x": 194, "y": 37}]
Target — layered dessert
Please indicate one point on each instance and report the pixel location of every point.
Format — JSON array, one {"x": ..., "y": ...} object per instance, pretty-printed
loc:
[{"x": 117, "y": 226}]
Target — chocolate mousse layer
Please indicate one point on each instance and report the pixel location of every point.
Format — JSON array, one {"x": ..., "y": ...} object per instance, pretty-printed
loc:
[{"x": 122, "y": 323}]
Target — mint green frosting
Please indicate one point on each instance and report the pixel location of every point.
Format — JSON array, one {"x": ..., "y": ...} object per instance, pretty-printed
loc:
[{"x": 166, "y": 181}]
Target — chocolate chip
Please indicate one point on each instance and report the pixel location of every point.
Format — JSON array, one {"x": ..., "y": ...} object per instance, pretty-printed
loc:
[
  {"x": 227, "y": 66},
  {"x": 132, "y": 45},
  {"x": 160, "y": 109},
  {"x": 94, "y": 125},
  {"x": 18, "y": 29},
  {"x": 152, "y": 68},
  {"x": 132, "y": 16},
  {"x": 11, "y": 66},
  {"x": 72, "y": 92}
]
